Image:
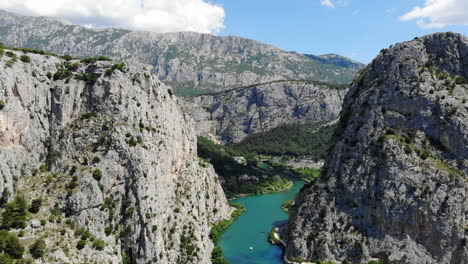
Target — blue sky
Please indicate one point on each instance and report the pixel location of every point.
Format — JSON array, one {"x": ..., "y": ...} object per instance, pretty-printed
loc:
[{"x": 358, "y": 29}]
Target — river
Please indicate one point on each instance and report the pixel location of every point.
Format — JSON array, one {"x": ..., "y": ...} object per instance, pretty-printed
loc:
[{"x": 251, "y": 228}]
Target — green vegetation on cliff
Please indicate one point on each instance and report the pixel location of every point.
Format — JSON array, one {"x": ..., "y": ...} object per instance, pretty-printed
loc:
[
  {"x": 292, "y": 140},
  {"x": 216, "y": 231},
  {"x": 246, "y": 175},
  {"x": 286, "y": 205}
]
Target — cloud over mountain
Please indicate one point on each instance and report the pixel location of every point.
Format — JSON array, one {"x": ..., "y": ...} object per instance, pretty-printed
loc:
[
  {"x": 439, "y": 13},
  {"x": 149, "y": 15}
]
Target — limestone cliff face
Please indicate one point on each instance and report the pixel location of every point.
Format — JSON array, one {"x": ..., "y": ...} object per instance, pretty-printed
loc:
[
  {"x": 395, "y": 185},
  {"x": 185, "y": 60},
  {"x": 231, "y": 116},
  {"x": 118, "y": 154}
]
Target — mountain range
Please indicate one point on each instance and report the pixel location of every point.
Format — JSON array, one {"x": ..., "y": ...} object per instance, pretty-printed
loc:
[{"x": 189, "y": 62}]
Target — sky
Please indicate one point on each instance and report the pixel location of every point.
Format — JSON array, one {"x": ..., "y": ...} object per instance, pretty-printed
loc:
[{"x": 358, "y": 29}]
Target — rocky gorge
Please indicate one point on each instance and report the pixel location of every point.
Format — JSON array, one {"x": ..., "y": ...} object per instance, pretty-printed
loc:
[
  {"x": 101, "y": 162},
  {"x": 232, "y": 115},
  {"x": 394, "y": 187},
  {"x": 112, "y": 159}
]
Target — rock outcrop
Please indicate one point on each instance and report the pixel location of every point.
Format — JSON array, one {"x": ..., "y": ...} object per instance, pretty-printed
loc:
[
  {"x": 110, "y": 152},
  {"x": 395, "y": 185},
  {"x": 232, "y": 115},
  {"x": 185, "y": 60}
]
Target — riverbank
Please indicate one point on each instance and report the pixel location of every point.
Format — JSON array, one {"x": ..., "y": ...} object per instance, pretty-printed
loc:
[
  {"x": 275, "y": 239},
  {"x": 267, "y": 189},
  {"x": 217, "y": 256},
  {"x": 286, "y": 205}
]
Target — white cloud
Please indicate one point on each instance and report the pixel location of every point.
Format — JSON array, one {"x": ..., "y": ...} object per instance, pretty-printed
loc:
[
  {"x": 149, "y": 15},
  {"x": 439, "y": 13},
  {"x": 328, "y": 3},
  {"x": 355, "y": 12}
]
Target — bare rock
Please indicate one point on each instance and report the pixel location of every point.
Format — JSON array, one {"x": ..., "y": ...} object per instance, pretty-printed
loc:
[{"x": 395, "y": 185}]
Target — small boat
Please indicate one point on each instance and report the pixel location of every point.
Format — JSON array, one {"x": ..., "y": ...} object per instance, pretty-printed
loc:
[{"x": 251, "y": 248}]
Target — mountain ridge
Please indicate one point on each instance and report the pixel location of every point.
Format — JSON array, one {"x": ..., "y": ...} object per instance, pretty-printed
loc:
[{"x": 185, "y": 60}]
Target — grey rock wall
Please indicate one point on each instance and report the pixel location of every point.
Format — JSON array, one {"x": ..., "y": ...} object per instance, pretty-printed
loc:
[
  {"x": 231, "y": 116},
  {"x": 395, "y": 185},
  {"x": 154, "y": 193}
]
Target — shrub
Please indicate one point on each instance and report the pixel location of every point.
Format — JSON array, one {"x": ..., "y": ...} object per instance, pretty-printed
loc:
[
  {"x": 25, "y": 59},
  {"x": 38, "y": 249},
  {"x": 49, "y": 179},
  {"x": 391, "y": 131},
  {"x": 108, "y": 231},
  {"x": 96, "y": 159},
  {"x": 91, "y": 78},
  {"x": 43, "y": 168},
  {"x": 217, "y": 256},
  {"x": 99, "y": 244},
  {"x": 2, "y": 104},
  {"x": 88, "y": 115},
  {"x": 35, "y": 206},
  {"x": 13, "y": 246},
  {"x": 85, "y": 235},
  {"x": 97, "y": 174},
  {"x": 10, "y": 54},
  {"x": 10, "y": 63},
  {"x": 6, "y": 259},
  {"x": 424, "y": 155},
  {"x": 104, "y": 58},
  {"x": 14, "y": 215},
  {"x": 67, "y": 57},
  {"x": 460, "y": 80},
  {"x": 72, "y": 185},
  {"x": 81, "y": 244},
  {"x": 132, "y": 142},
  {"x": 62, "y": 74},
  {"x": 89, "y": 60},
  {"x": 5, "y": 196},
  {"x": 73, "y": 170},
  {"x": 408, "y": 150},
  {"x": 117, "y": 66},
  {"x": 79, "y": 232},
  {"x": 72, "y": 66}
]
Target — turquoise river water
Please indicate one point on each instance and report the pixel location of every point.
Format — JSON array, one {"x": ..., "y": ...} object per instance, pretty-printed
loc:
[{"x": 251, "y": 228}]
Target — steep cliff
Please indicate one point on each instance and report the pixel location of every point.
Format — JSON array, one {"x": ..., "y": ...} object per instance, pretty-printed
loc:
[
  {"x": 113, "y": 158},
  {"x": 185, "y": 60},
  {"x": 395, "y": 185},
  {"x": 232, "y": 115}
]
